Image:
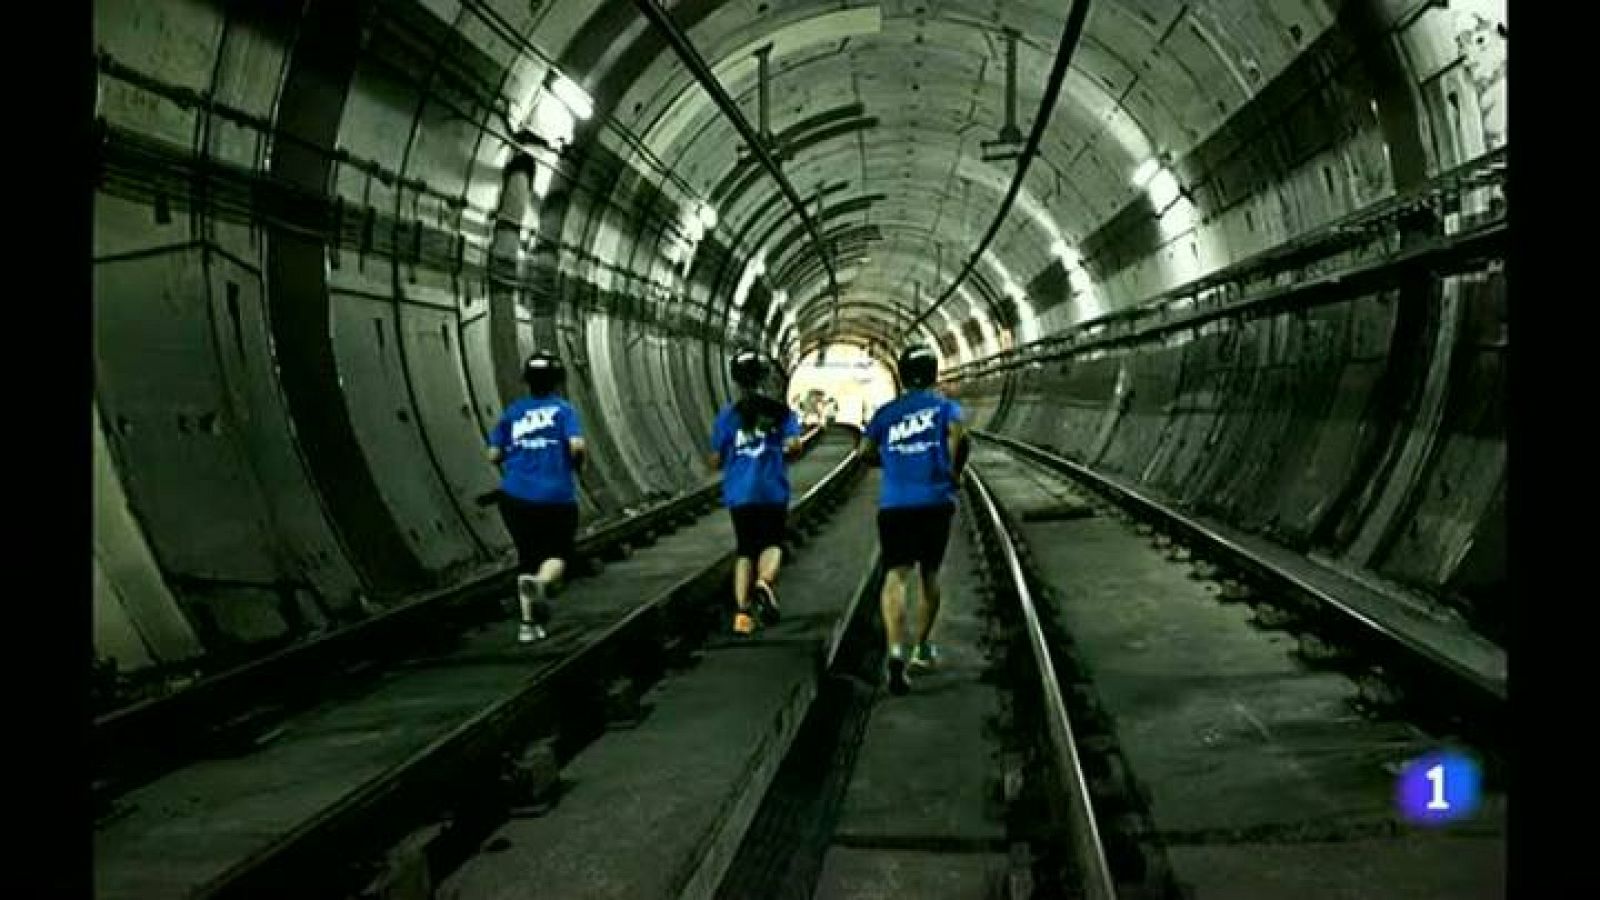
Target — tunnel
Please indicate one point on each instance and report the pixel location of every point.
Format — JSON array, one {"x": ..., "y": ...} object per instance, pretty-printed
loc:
[{"x": 1241, "y": 258}]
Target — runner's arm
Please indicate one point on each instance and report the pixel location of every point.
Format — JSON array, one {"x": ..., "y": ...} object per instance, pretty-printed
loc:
[
  {"x": 579, "y": 451},
  {"x": 960, "y": 448},
  {"x": 869, "y": 452}
]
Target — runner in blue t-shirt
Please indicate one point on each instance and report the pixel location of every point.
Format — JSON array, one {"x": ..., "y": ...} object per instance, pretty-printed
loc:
[
  {"x": 538, "y": 445},
  {"x": 922, "y": 446},
  {"x": 750, "y": 442}
]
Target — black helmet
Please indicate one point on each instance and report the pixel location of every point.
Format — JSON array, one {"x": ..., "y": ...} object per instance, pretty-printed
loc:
[
  {"x": 543, "y": 372},
  {"x": 919, "y": 366},
  {"x": 748, "y": 369}
]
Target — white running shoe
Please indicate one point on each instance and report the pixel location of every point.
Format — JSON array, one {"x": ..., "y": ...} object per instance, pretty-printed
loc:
[
  {"x": 899, "y": 679},
  {"x": 767, "y": 603}
]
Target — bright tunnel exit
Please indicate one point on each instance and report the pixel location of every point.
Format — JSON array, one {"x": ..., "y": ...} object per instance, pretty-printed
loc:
[{"x": 840, "y": 382}]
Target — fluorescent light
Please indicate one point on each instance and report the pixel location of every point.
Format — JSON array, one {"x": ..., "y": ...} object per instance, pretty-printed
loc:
[
  {"x": 1146, "y": 171},
  {"x": 1163, "y": 189},
  {"x": 1070, "y": 257},
  {"x": 573, "y": 97},
  {"x": 553, "y": 120},
  {"x": 747, "y": 280}
]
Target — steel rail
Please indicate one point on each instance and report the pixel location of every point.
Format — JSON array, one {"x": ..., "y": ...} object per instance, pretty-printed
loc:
[
  {"x": 1083, "y": 830},
  {"x": 1485, "y": 687},
  {"x": 304, "y": 861}
]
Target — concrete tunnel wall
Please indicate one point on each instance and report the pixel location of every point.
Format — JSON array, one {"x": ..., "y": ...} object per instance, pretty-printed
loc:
[
  {"x": 1368, "y": 432},
  {"x": 227, "y": 513},
  {"x": 289, "y": 415}
]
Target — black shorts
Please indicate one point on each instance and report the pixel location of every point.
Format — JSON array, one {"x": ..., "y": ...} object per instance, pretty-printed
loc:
[
  {"x": 915, "y": 535},
  {"x": 759, "y": 526},
  {"x": 541, "y": 531}
]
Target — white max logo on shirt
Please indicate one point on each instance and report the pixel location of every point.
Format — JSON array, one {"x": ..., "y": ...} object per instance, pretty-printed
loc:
[
  {"x": 749, "y": 443},
  {"x": 532, "y": 421},
  {"x": 912, "y": 425}
]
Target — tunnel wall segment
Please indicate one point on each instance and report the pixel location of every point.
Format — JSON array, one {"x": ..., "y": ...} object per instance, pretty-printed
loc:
[
  {"x": 1298, "y": 426},
  {"x": 207, "y": 475}
]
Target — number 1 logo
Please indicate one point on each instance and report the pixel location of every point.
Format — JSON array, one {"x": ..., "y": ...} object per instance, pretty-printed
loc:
[
  {"x": 1439, "y": 788},
  {"x": 1436, "y": 775}
]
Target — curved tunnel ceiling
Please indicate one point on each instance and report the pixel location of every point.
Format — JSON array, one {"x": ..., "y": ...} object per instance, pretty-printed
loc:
[
  {"x": 1148, "y": 79},
  {"x": 343, "y": 222}
]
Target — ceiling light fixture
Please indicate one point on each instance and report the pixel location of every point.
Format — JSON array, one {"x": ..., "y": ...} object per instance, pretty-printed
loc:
[{"x": 572, "y": 96}]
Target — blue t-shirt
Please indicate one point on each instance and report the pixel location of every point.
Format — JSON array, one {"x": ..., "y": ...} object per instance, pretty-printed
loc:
[
  {"x": 912, "y": 437},
  {"x": 753, "y": 470},
  {"x": 533, "y": 433}
]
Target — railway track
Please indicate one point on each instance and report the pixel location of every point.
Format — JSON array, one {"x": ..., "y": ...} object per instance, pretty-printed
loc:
[
  {"x": 438, "y": 738},
  {"x": 1433, "y": 670},
  {"x": 233, "y": 708},
  {"x": 974, "y": 785},
  {"x": 1057, "y": 753},
  {"x": 1110, "y": 719},
  {"x": 1223, "y": 758}
]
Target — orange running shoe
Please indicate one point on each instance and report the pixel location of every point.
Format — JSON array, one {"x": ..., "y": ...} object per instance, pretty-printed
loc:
[{"x": 743, "y": 623}]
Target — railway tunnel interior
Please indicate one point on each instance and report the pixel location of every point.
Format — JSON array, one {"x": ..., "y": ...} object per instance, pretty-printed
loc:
[{"x": 1253, "y": 267}]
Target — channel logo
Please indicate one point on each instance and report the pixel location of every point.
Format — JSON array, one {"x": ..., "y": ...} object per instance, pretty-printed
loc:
[{"x": 1439, "y": 788}]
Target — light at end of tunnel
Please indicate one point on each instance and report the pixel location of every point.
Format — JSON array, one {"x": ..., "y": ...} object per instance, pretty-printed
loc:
[
  {"x": 841, "y": 381},
  {"x": 1146, "y": 171},
  {"x": 574, "y": 97}
]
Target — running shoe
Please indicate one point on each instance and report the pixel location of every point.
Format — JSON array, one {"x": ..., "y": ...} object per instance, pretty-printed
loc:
[
  {"x": 743, "y": 623},
  {"x": 535, "y": 592},
  {"x": 767, "y": 603},
  {"x": 926, "y": 656},
  {"x": 529, "y": 633},
  {"x": 899, "y": 681}
]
